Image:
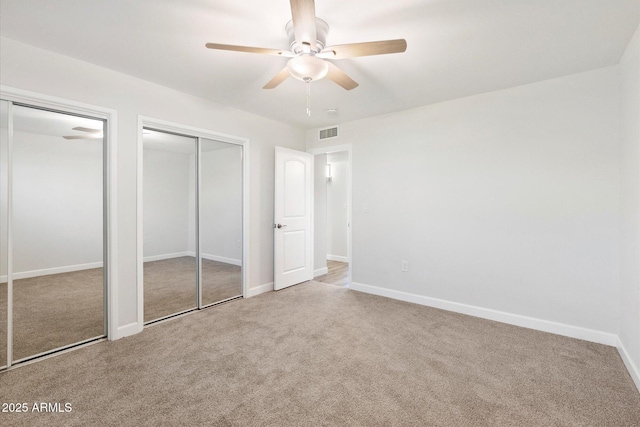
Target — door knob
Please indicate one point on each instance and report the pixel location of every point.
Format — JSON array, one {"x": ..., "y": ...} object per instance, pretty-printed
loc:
[{"x": 280, "y": 226}]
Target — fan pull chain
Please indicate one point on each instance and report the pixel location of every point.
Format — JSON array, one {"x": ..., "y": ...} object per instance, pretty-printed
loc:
[{"x": 308, "y": 96}]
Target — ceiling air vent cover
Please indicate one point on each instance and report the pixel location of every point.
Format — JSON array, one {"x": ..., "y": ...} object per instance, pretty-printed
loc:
[{"x": 328, "y": 133}]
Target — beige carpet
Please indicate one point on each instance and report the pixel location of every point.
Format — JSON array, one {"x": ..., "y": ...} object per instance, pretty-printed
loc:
[
  {"x": 170, "y": 285},
  {"x": 53, "y": 311},
  {"x": 317, "y": 354},
  {"x": 62, "y": 309}
]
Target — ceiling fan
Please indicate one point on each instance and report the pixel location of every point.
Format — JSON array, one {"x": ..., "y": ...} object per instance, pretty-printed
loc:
[
  {"x": 89, "y": 133},
  {"x": 308, "y": 50}
]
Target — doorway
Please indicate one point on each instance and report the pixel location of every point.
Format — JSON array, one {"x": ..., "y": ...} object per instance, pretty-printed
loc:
[{"x": 332, "y": 216}]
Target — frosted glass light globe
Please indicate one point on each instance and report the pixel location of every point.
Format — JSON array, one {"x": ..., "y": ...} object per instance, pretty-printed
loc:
[{"x": 307, "y": 68}]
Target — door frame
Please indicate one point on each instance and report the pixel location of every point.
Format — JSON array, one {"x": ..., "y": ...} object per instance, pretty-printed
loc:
[
  {"x": 110, "y": 221},
  {"x": 171, "y": 127},
  {"x": 339, "y": 149}
]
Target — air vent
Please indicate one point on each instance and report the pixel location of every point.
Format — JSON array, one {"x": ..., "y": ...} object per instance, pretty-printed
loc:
[{"x": 329, "y": 133}]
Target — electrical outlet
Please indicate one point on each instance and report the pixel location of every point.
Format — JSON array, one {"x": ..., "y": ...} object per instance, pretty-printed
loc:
[{"x": 405, "y": 266}]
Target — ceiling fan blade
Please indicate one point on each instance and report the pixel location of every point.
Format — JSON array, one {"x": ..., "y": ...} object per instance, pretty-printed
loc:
[
  {"x": 353, "y": 50},
  {"x": 249, "y": 49},
  {"x": 340, "y": 77},
  {"x": 303, "y": 13},
  {"x": 83, "y": 129},
  {"x": 279, "y": 78},
  {"x": 81, "y": 137}
]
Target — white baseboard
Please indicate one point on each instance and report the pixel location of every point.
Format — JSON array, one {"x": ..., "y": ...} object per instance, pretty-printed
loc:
[
  {"x": 127, "y": 330},
  {"x": 320, "y": 272},
  {"x": 634, "y": 370},
  {"x": 337, "y": 258},
  {"x": 50, "y": 271},
  {"x": 498, "y": 316},
  {"x": 168, "y": 256},
  {"x": 225, "y": 260},
  {"x": 252, "y": 292},
  {"x": 193, "y": 254}
]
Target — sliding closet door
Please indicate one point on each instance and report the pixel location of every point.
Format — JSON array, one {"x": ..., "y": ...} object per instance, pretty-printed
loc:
[
  {"x": 220, "y": 220},
  {"x": 57, "y": 229},
  {"x": 4, "y": 248},
  {"x": 169, "y": 224}
]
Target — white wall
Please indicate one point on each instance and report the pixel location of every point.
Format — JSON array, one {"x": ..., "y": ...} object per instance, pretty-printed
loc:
[
  {"x": 29, "y": 68},
  {"x": 168, "y": 205},
  {"x": 320, "y": 214},
  {"x": 221, "y": 204},
  {"x": 57, "y": 203},
  {"x": 506, "y": 201},
  {"x": 630, "y": 207},
  {"x": 337, "y": 207}
]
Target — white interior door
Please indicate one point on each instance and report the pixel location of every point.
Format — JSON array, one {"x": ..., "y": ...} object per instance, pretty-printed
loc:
[{"x": 292, "y": 218}]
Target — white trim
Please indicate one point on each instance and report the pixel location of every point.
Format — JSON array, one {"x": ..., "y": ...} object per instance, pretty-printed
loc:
[
  {"x": 196, "y": 200},
  {"x": 246, "y": 217},
  {"x": 50, "y": 271},
  {"x": 112, "y": 226},
  {"x": 54, "y": 103},
  {"x": 634, "y": 370},
  {"x": 129, "y": 329},
  {"x": 252, "y": 292},
  {"x": 223, "y": 259},
  {"x": 9, "y": 231},
  {"x": 189, "y": 130},
  {"x": 139, "y": 231},
  {"x": 498, "y": 316},
  {"x": 111, "y": 116},
  {"x": 320, "y": 272},
  {"x": 210, "y": 257},
  {"x": 339, "y": 258},
  {"x": 168, "y": 256}
]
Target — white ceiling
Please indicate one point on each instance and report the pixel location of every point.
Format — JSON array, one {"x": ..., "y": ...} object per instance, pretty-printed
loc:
[{"x": 455, "y": 48}]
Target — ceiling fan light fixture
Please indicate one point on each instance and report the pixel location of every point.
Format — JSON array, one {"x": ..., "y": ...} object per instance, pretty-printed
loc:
[
  {"x": 307, "y": 42},
  {"x": 307, "y": 68}
]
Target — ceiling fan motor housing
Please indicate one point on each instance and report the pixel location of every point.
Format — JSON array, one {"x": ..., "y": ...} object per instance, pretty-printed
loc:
[{"x": 322, "y": 29}]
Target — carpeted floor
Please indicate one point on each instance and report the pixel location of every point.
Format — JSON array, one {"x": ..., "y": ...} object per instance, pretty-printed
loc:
[
  {"x": 170, "y": 285},
  {"x": 317, "y": 354},
  {"x": 53, "y": 311},
  {"x": 46, "y": 318}
]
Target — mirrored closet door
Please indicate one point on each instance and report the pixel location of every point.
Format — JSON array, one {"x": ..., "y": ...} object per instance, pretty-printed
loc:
[
  {"x": 220, "y": 220},
  {"x": 192, "y": 222},
  {"x": 169, "y": 215},
  {"x": 52, "y": 243}
]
